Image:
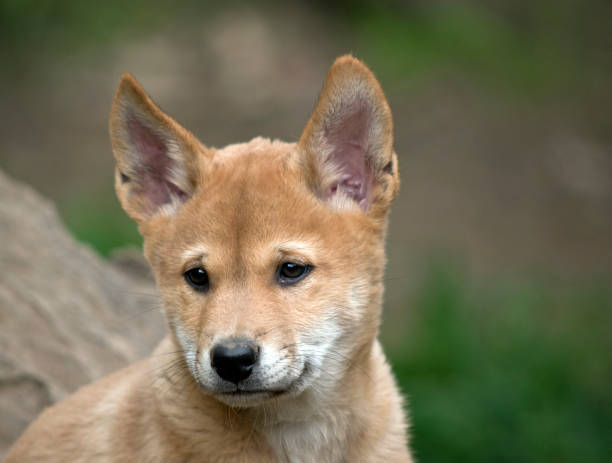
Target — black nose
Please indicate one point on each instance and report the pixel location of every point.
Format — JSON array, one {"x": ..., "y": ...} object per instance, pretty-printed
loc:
[{"x": 233, "y": 360}]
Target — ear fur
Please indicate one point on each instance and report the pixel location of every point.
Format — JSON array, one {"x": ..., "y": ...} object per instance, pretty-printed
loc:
[
  {"x": 348, "y": 141},
  {"x": 157, "y": 159}
]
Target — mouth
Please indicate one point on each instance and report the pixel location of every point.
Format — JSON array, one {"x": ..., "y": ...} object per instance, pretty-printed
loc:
[
  {"x": 251, "y": 395},
  {"x": 258, "y": 395}
]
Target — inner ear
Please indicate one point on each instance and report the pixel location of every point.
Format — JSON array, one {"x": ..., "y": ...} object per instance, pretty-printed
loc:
[
  {"x": 154, "y": 169},
  {"x": 158, "y": 161},
  {"x": 347, "y": 142}
]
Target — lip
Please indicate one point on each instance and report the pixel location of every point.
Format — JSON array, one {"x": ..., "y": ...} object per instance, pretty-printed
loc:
[
  {"x": 266, "y": 393},
  {"x": 252, "y": 393}
]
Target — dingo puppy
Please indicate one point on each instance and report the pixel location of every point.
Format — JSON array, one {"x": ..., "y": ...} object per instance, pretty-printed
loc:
[{"x": 269, "y": 260}]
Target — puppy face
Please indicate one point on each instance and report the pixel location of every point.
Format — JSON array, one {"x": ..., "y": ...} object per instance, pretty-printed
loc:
[{"x": 268, "y": 256}]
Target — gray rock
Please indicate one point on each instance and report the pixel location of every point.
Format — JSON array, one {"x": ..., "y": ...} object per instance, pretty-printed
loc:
[{"x": 67, "y": 316}]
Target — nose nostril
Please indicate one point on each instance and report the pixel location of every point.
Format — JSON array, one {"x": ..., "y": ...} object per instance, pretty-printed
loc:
[{"x": 234, "y": 360}]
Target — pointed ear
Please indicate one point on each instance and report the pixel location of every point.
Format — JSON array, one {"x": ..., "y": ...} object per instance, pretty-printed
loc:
[
  {"x": 157, "y": 159},
  {"x": 348, "y": 141}
]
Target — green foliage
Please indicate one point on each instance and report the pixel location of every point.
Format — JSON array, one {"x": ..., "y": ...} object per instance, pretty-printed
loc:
[
  {"x": 101, "y": 223},
  {"x": 522, "y": 45},
  {"x": 435, "y": 42},
  {"x": 33, "y": 29},
  {"x": 508, "y": 373}
]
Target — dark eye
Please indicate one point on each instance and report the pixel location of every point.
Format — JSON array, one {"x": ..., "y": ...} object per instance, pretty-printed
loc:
[
  {"x": 290, "y": 272},
  {"x": 197, "y": 279}
]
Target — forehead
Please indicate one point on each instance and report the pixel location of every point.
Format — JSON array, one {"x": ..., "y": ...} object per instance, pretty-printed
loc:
[{"x": 252, "y": 195}]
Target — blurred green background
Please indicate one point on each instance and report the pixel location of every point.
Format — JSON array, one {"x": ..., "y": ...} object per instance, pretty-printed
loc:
[{"x": 499, "y": 297}]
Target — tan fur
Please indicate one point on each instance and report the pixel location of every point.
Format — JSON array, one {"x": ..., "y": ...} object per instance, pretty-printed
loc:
[{"x": 250, "y": 206}]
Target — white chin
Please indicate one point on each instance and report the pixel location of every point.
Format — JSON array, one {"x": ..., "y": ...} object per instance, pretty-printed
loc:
[{"x": 246, "y": 399}]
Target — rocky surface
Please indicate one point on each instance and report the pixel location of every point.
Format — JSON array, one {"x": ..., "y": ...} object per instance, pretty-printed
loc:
[{"x": 67, "y": 316}]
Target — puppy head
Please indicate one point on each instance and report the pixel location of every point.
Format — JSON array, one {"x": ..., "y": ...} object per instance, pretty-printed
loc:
[{"x": 268, "y": 256}]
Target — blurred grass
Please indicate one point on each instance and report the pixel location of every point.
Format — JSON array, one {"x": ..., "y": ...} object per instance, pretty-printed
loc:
[
  {"x": 38, "y": 28},
  {"x": 428, "y": 44},
  {"x": 530, "y": 50},
  {"x": 98, "y": 221},
  {"x": 508, "y": 373}
]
